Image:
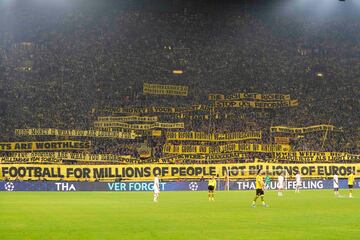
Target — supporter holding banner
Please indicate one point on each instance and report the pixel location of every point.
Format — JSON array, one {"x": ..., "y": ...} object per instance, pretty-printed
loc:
[
  {"x": 161, "y": 89},
  {"x": 213, "y": 137},
  {"x": 74, "y": 133},
  {"x": 43, "y": 146},
  {"x": 302, "y": 130},
  {"x": 168, "y": 171}
]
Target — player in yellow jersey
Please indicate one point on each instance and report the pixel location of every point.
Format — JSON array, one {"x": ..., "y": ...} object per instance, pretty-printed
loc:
[
  {"x": 260, "y": 186},
  {"x": 351, "y": 179},
  {"x": 211, "y": 188}
]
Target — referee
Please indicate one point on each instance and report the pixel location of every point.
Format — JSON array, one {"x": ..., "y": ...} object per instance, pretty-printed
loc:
[{"x": 211, "y": 188}]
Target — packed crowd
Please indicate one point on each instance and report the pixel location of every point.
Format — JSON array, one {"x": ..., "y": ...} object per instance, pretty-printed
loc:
[{"x": 63, "y": 73}]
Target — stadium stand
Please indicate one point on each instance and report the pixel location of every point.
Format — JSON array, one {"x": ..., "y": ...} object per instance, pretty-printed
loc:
[{"x": 67, "y": 72}]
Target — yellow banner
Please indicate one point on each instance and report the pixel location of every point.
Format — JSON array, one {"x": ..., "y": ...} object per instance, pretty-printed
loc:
[
  {"x": 60, "y": 157},
  {"x": 141, "y": 110},
  {"x": 250, "y": 96},
  {"x": 232, "y": 147},
  {"x": 145, "y": 126},
  {"x": 185, "y": 149},
  {"x": 128, "y": 119},
  {"x": 295, "y": 156},
  {"x": 167, "y": 171},
  {"x": 213, "y": 137},
  {"x": 189, "y": 113},
  {"x": 282, "y": 140},
  {"x": 313, "y": 156},
  {"x": 309, "y": 129},
  {"x": 156, "y": 133},
  {"x": 222, "y": 115},
  {"x": 203, "y": 117},
  {"x": 161, "y": 89},
  {"x": 69, "y": 156},
  {"x": 43, "y": 146},
  {"x": 203, "y": 157},
  {"x": 16, "y": 160},
  {"x": 74, "y": 133},
  {"x": 256, "y": 104},
  {"x": 139, "y": 133},
  {"x": 159, "y": 109}
]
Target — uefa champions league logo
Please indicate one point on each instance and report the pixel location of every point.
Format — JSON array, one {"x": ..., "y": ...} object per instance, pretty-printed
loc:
[
  {"x": 9, "y": 186},
  {"x": 193, "y": 186}
]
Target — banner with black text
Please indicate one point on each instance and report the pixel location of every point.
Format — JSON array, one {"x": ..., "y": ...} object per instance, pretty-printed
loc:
[{"x": 168, "y": 171}]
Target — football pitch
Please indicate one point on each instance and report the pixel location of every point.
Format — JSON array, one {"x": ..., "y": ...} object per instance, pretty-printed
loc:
[{"x": 178, "y": 215}]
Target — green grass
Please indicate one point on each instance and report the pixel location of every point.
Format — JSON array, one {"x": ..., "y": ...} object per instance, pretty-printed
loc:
[{"x": 178, "y": 215}]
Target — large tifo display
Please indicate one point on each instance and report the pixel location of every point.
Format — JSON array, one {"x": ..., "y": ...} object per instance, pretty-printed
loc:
[
  {"x": 168, "y": 171},
  {"x": 148, "y": 185}
]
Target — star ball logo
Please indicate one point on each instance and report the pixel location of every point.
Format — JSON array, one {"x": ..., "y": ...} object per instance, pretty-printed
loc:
[
  {"x": 193, "y": 186},
  {"x": 9, "y": 186}
]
